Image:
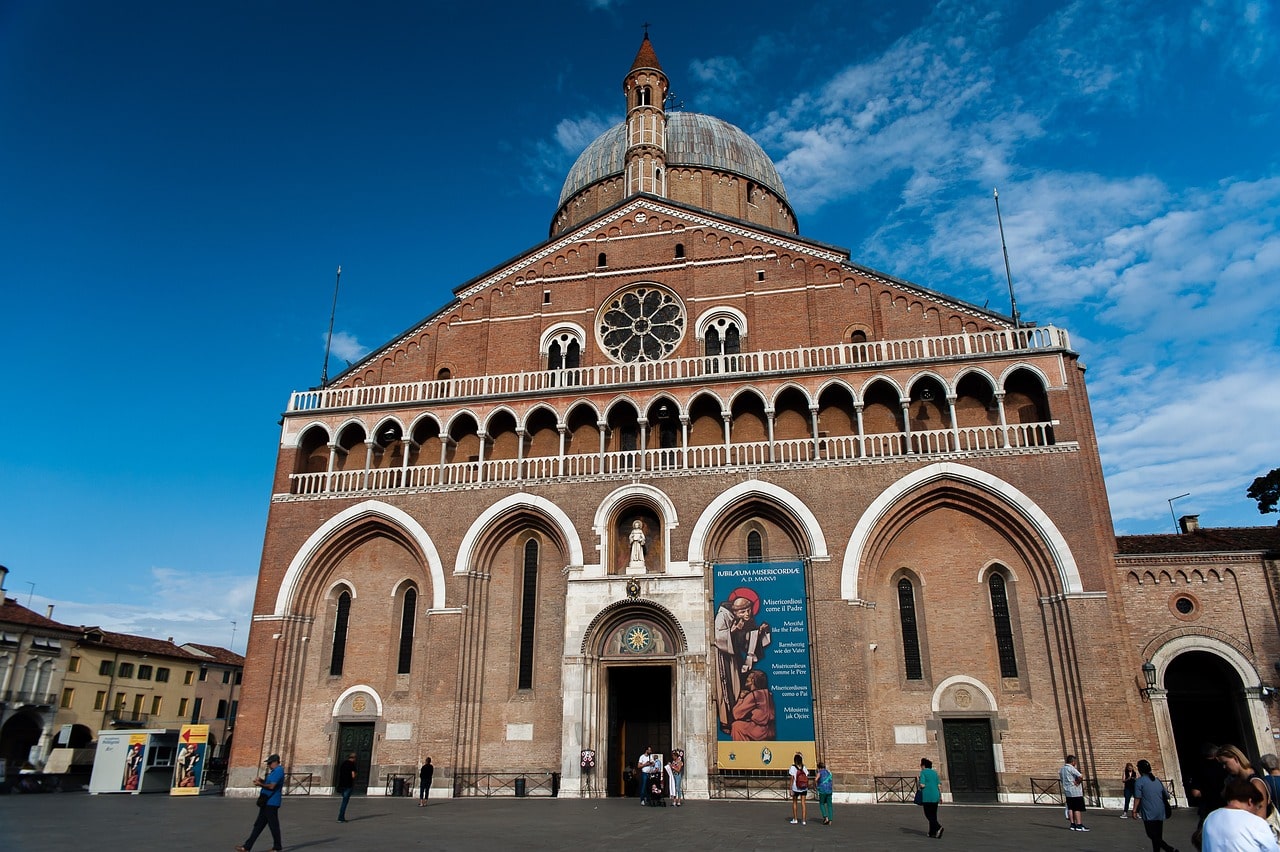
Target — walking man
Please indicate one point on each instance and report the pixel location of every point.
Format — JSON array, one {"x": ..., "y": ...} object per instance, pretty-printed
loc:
[
  {"x": 1073, "y": 790},
  {"x": 424, "y": 782},
  {"x": 346, "y": 783},
  {"x": 270, "y": 789}
]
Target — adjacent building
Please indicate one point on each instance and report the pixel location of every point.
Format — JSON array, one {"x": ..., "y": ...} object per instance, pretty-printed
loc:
[{"x": 681, "y": 477}]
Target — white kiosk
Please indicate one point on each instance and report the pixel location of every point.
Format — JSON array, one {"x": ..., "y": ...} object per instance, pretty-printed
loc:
[{"x": 138, "y": 761}]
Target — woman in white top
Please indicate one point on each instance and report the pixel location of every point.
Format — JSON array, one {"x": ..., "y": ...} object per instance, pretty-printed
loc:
[
  {"x": 1236, "y": 827},
  {"x": 799, "y": 794}
]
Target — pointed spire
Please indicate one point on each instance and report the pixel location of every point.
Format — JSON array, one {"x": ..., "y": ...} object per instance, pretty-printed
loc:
[{"x": 645, "y": 57}]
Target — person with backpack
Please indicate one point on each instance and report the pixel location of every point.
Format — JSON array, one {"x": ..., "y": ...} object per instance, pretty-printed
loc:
[
  {"x": 799, "y": 789},
  {"x": 826, "y": 786}
]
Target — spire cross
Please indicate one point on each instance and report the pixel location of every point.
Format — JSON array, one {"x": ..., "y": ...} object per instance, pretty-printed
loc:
[{"x": 646, "y": 30}]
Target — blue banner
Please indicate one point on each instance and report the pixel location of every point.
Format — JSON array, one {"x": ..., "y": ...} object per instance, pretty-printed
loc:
[{"x": 764, "y": 690}]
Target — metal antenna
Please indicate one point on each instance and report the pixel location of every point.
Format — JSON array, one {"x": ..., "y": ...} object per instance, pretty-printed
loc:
[
  {"x": 324, "y": 372},
  {"x": 233, "y": 637},
  {"x": 1013, "y": 302},
  {"x": 1171, "y": 514}
]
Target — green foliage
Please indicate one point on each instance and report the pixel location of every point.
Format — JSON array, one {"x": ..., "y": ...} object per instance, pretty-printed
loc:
[{"x": 1266, "y": 490}]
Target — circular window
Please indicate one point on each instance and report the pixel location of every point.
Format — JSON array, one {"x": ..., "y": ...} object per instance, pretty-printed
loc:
[
  {"x": 1185, "y": 607},
  {"x": 644, "y": 323}
]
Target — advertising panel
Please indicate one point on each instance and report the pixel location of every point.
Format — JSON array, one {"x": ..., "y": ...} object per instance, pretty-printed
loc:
[
  {"x": 188, "y": 772},
  {"x": 764, "y": 689}
]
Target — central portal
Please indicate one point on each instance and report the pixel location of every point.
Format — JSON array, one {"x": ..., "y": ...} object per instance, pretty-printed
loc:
[{"x": 639, "y": 716}]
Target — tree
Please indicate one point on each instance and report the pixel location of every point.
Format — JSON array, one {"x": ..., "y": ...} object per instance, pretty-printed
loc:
[{"x": 1266, "y": 490}]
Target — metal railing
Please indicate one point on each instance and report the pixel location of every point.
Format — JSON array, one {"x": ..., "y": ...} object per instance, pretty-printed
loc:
[
  {"x": 750, "y": 784},
  {"x": 30, "y": 696},
  {"x": 519, "y": 784},
  {"x": 298, "y": 783},
  {"x": 400, "y": 783},
  {"x": 896, "y": 788},
  {"x": 1049, "y": 791}
]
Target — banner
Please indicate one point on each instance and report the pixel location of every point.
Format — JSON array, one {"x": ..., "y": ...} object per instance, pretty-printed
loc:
[
  {"x": 764, "y": 690},
  {"x": 134, "y": 762},
  {"x": 188, "y": 772}
]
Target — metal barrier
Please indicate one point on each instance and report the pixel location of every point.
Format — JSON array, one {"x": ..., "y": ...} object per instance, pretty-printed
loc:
[
  {"x": 750, "y": 784},
  {"x": 1049, "y": 791},
  {"x": 401, "y": 783},
  {"x": 518, "y": 784},
  {"x": 896, "y": 788},
  {"x": 298, "y": 784}
]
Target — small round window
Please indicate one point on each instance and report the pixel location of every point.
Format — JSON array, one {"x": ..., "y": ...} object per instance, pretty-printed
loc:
[{"x": 1186, "y": 606}]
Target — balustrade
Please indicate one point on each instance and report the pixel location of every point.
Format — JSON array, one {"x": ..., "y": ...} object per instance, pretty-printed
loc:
[{"x": 839, "y": 449}]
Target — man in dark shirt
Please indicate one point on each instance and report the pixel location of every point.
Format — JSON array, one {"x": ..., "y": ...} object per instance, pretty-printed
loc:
[
  {"x": 346, "y": 783},
  {"x": 1204, "y": 786}
]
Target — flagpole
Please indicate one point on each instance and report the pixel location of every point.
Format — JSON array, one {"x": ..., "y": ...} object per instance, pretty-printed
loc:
[
  {"x": 328, "y": 341},
  {"x": 1013, "y": 302}
]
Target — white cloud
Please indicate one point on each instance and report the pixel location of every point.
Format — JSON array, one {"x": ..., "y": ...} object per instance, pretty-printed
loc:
[{"x": 347, "y": 347}]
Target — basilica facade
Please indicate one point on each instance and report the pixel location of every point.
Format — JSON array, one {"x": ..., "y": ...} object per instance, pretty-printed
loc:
[{"x": 680, "y": 477}]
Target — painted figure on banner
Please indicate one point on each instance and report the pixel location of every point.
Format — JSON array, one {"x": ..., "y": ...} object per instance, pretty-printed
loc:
[
  {"x": 740, "y": 643},
  {"x": 754, "y": 714}
]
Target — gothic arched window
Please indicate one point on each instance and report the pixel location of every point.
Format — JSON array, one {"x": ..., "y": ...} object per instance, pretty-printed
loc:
[
  {"x": 407, "y": 618},
  {"x": 755, "y": 547},
  {"x": 528, "y": 607},
  {"x": 1003, "y": 625},
  {"x": 910, "y": 630},
  {"x": 339, "y": 654}
]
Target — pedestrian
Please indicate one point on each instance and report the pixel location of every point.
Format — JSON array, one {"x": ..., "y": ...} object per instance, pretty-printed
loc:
[
  {"x": 1130, "y": 780},
  {"x": 1271, "y": 776},
  {"x": 644, "y": 766},
  {"x": 676, "y": 770},
  {"x": 930, "y": 795},
  {"x": 826, "y": 786},
  {"x": 1239, "y": 767},
  {"x": 424, "y": 782},
  {"x": 1151, "y": 805},
  {"x": 346, "y": 783},
  {"x": 1073, "y": 790},
  {"x": 270, "y": 790},
  {"x": 799, "y": 789},
  {"x": 1236, "y": 826},
  {"x": 1204, "y": 787}
]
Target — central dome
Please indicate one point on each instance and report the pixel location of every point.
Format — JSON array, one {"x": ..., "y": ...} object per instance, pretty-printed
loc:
[{"x": 692, "y": 139}]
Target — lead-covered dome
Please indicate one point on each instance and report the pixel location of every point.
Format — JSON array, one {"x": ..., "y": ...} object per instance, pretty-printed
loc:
[{"x": 692, "y": 139}]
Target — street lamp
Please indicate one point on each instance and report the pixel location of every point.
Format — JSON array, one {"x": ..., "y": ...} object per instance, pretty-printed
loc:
[{"x": 1149, "y": 676}]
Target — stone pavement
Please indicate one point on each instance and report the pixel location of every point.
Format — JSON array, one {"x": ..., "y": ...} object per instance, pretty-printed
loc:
[{"x": 123, "y": 823}]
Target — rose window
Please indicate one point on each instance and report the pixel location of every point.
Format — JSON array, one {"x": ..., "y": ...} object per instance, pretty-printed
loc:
[{"x": 641, "y": 324}]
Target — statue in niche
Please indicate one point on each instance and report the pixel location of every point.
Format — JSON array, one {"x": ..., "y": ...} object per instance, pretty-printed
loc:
[{"x": 638, "y": 540}]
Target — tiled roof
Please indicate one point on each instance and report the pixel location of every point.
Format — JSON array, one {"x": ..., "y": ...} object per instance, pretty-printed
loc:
[
  {"x": 13, "y": 612},
  {"x": 219, "y": 655},
  {"x": 1203, "y": 540},
  {"x": 136, "y": 644}
]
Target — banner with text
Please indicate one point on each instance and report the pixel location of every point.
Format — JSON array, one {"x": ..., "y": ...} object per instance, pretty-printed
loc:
[
  {"x": 764, "y": 691},
  {"x": 188, "y": 771}
]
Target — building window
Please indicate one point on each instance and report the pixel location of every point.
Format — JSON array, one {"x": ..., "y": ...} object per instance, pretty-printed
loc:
[
  {"x": 755, "y": 547},
  {"x": 679, "y": 251},
  {"x": 119, "y": 702},
  {"x": 602, "y": 260},
  {"x": 204, "y": 673},
  {"x": 226, "y": 676},
  {"x": 188, "y": 677},
  {"x": 222, "y": 709},
  {"x": 68, "y": 695},
  {"x": 910, "y": 630},
  {"x": 126, "y": 670},
  {"x": 105, "y": 668},
  {"x": 546, "y": 297},
  {"x": 144, "y": 672},
  {"x": 182, "y": 708},
  {"x": 73, "y": 665},
  {"x": 339, "y": 654},
  {"x": 162, "y": 675},
  {"x": 528, "y": 606},
  {"x": 231, "y": 714},
  {"x": 406, "y": 631},
  {"x": 239, "y": 675},
  {"x": 100, "y": 700},
  {"x": 195, "y": 711},
  {"x": 564, "y": 353},
  {"x": 1004, "y": 627},
  {"x": 155, "y": 705},
  {"x": 444, "y": 374},
  {"x": 137, "y": 707},
  {"x": 643, "y": 96}
]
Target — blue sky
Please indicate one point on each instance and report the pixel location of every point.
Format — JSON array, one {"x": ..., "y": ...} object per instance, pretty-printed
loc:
[{"x": 179, "y": 181}]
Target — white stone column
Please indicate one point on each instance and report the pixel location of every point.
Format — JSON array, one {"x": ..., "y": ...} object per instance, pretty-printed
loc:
[
  {"x": 862, "y": 432},
  {"x": 769, "y": 415},
  {"x": 955, "y": 429}
]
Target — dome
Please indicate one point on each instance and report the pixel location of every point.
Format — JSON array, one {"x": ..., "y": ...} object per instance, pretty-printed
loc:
[{"x": 692, "y": 139}]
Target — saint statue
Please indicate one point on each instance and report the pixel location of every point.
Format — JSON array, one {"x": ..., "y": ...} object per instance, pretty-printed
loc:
[{"x": 638, "y": 541}]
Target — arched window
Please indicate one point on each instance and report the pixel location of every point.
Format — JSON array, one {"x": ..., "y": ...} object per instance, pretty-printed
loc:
[
  {"x": 910, "y": 630},
  {"x": 601, "y": 259},
  {"x": 29, "y": 677},
  {"x": 444, "y": 373},
  {"x": 528, "y": 608},
  {"x": 42, "y": 680},
  {"x": 711, "y": 341},
  {"x": 407, "y": 617},
  {"x": 732, "y": 340},
  {"x": 679, "y": 251},
  {"x": 339, "y": 654},
  {"x": 1004, "y": 627},
  {"x": 643, "y": 96},
  {"x": 755, "y": 547}
]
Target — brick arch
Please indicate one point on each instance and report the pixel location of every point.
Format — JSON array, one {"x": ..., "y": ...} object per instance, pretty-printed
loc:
[
  {"x": 785, "y": 508},
  {"x": 518, "y": 509},
  {"x": 344, "y": 531},
  {"x": 1053, "y": 566}
]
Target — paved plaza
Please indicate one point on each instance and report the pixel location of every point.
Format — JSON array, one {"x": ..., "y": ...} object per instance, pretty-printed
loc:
[{"x": 124, "y": 823}]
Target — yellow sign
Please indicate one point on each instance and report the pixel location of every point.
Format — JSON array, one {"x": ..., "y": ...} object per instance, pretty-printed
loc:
[{"x": 188, "y": 771}]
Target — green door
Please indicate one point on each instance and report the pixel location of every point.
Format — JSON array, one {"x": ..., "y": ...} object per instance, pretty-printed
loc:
[
  {"x": 357, "y": 738},
  {"x": 971, "y": 762}
]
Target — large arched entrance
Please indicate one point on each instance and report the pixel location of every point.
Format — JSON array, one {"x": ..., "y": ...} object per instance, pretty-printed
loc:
[
  {"x": 639, "y": 717},
  {"x": 1207, "y": 704},
  {"x": 17, "y": 737}
]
